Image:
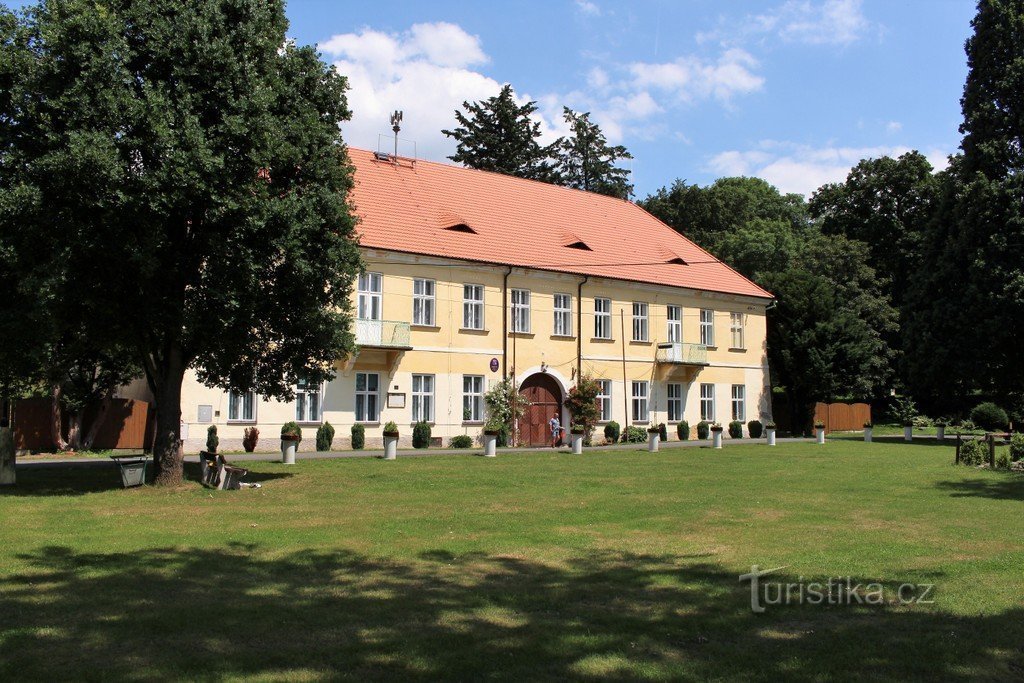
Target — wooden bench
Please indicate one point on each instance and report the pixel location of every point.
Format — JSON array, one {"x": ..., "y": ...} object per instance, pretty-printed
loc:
[{"x": 217, "y": 473}]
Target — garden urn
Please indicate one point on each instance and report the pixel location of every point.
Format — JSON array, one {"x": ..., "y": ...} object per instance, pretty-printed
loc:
[
  {"x": 576, "y": 438},
  {"x": 490, "y": 443},
  {"x": 819, "y": 434},
  {"x": 716, "y": 437},
  {"x": 288, "y": 446},
  {"x": 940, "y": 432},
  {"x": 908, "y": 433},
  {"x": 770, "y": 431},
  {"x": 867, "y": 434},
  {"x": 653, "y": 440},
  {"x": 390, "y": 445}
]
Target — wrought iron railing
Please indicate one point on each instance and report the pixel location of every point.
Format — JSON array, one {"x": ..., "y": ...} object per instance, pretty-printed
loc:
[
  {"x": 681, "y": 352},
  {"x": 382, "y": 333}
]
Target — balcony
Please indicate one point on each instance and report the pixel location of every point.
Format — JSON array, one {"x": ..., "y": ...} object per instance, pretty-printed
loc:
[
  {"x": 682, "y": 353},
  {"x": 382, "y": 334}
]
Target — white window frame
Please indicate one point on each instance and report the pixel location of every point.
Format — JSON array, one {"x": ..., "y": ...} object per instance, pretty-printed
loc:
[
  {"x": 707, "y": 327},
  {"x": 674, "y": 394},
  {"x": 303, "y": 395},
  {"x": 739, "y": 402},
  {"x": 366, "y": 396},
  {"x": 736, "y": 325},
  {"x": 674, "y": 323},
  {"x": 640, "y": 404},
  {"x": 602, "y": 318},
  {"x": 473, "y": 398},
  {"x": 707, "y": 402},
  {"x": 563, "y": 315},
  {"x": 423, "y": 398},
  {"x": 520, "y": 310},
  {"x": 371, "y": 296},
  {"x": 604, "y": 399},
  {"x": 424, "y": 297},
  {"x": 472, "y": 307},
  {"x": 640, "y": 321},
  {"x": 232, "y": 407}
]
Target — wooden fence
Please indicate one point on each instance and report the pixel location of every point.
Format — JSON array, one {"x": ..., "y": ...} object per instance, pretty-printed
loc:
[
  {"x": 842, "y": 417},
  {"x": 124, "y": 426}
]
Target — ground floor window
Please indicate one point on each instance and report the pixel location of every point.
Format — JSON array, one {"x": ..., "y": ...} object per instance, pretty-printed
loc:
[
  {"x": 422, "y": 398},
  {"x": 675, "y": 402},
  {"x": 473, "y": 398},
  {"x": 242, "y": 406},
  {"x": 308, "y": 404},
  {"x": 640, "y": 394},
  {"x": 604, "y": 399},
  {"x": 367, "y": 397},
  {"x": 739, "y": 402},
  {"x": 707, "y": 402}
]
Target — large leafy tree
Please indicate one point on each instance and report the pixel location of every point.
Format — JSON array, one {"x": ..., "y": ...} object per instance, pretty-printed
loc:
[
  {"x": 499, "y": 135},
  {"x": 586, "y": 161},
  {"x": 182, "y": 164}
]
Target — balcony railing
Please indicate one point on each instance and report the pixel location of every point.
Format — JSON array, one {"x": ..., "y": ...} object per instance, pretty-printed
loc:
[
  {"x": 681, "y": 352},
  {"x": 385, "y": 334}
]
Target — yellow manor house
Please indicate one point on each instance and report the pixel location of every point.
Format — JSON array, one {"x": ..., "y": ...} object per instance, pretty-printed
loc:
[{"x": 471, "y": 276}]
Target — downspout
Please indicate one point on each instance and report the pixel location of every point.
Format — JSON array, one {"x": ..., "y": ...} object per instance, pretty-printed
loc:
[
  {"x": 504, "y": 323},
  {"x": 579, "y": 327}
]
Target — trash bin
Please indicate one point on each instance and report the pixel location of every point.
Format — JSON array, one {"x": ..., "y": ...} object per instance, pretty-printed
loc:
[{"x": 133, "y": 469}]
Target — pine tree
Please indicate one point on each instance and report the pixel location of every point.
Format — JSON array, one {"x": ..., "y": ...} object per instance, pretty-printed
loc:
[{"x": 587, "y": 162}]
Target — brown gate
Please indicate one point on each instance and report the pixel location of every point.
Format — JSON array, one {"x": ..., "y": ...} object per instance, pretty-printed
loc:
[
  {"x": 545, "y": 397},
  {"x": 842, "y": 417}
]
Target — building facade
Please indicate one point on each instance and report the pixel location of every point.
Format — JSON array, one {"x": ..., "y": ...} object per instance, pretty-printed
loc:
[{"x": 472, "y": 276}]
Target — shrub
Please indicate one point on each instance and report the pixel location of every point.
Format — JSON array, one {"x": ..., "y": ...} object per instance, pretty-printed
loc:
[
  {"x": 324, "y": 437},
  {"x": 582, "y": 404},
  {"x": 819, "y": 425},
  {"x": 972, "y": 452},
  {"x": 461, "y": 441},
  {"x": 770, "y": 424},
  {"x": 421, "y": 435},
  {"x": 358, "y": 437},
  {"x": 1003, "y": 460},
  {"x": 611, "y": 431},
  {"x": 703, "y": 430},
  {"x": 662, "y": 432},
  {"x": 755, "y": 428},
  {"x": 390, "y": 427},
  {"x": 212, "y": 440},
  {"x": 989, "y": 416},
  {"x": 735, "y": 429},
  {"x": 922, "y": 421},
  {"x": 683, "y": 430},
  {"x": 250, "y": 437},
  {"x": 904, "y": 410},
  {"x": 635, "y": 435},
  {"x": 1017, "y": 447},
  {"x": 291, "y": 429}
]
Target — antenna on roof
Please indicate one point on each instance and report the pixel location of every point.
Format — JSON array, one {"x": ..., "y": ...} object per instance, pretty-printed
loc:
[{"x": 396, "y": 119}]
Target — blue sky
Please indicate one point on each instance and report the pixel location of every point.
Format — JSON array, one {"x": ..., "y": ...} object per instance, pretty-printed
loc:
[{"x": 793, "y": 91}]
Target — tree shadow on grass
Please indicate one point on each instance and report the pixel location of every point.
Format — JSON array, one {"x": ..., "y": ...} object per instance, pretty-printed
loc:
[
  {"x": 1009, "y": 488},
  {"x": 243, "y": 611}
]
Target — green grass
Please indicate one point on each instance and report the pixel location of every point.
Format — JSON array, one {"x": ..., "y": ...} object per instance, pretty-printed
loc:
[{"x": 610, "y": 565}]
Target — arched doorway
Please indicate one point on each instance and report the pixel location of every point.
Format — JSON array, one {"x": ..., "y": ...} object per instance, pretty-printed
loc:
[{"x": 545, "y": 397}]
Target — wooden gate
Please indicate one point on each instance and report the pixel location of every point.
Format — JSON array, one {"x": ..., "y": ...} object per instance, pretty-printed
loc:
[
  {"x": 124, "y": 425},
  {"x": 545, "y": 397},
  {"x": 842, "y": 417}
]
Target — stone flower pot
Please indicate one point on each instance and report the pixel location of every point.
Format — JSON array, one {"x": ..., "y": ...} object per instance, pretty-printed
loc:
[
  {"x": 819, "y": 434},
  {"x": 288, "y": 446},
  {"x": 390, "y": 445},
  {"x": 908, "y": 433},
  {"x": 490, "y": 443},
  {"x": 653, "y": 440},
  {"x": 770, "y": 431},
  {"x": 940, "y": 432},
  {"x": 716, "y": 437},
  {"x": 576, "y": 438},
  {"x": 867, "y": 434}
]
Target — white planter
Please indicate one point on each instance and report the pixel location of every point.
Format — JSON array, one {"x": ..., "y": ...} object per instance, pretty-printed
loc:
[
  {"x": 867, "y": 434},
  {"x": 940, "y": 432},
  {"x": 653, "y": 441},
  {"x": 819, "y": 434},
  {"x": 288, "y": 451},
  {"x": 490, "y": 445},
  {"x": 716, "y": 438},
  {"x": 390, "y": 447},
  {"x": 908, "y": 433},
  {"x": 771, "y": 436},
  {"x": 577, "y": 442}
]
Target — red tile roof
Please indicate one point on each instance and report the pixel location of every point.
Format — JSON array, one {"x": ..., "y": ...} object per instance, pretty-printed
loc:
[{"x": 410, "y": 207}]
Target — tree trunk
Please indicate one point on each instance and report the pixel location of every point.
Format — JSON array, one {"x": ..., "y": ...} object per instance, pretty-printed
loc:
[
  {"x": 168, "y": 457},
  {"x": 75, "y": 430},
  {"x": 7, "y": 456},
  {"x": 56, "y": 428},
  {"x": 94, "y": 428}
]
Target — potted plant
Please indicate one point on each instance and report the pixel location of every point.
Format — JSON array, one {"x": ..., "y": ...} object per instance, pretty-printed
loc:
[
  {"x": 576, "y": 434},
  {"x": 769, "y": 430},
  {"x": 390, "y": 441},
  {"x": 819, "y": 432},
  {"x": 291, "y": 435},
  {"x": 212, "y": 440},
  {"x": 868, "y": 430},
  {"x": 940, "y": 430},
  {"x": 653, "y": 438},
  {"x": 716, "y": 435},
  {"x": 908, "y": 430},
  {"x": 492, "y": 429}
]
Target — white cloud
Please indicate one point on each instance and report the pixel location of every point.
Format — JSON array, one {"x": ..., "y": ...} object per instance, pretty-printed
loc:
[
  {"x": 793, "y": 167},
  {"x": 893, "y": 127},
  {"x": 691, "y": 77},
  {"x": 833, "y": 22},
  {"x": 588, "y": 8}
]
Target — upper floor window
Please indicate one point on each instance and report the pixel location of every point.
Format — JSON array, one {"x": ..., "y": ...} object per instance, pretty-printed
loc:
[
  {"x": 563, "y": 315},
  {"x": 473, "y": 307},
  {"x": 639, "y": 321},
  {"x": 422, "y": 398},
  {"x": 736, "y": 327},
  {"x": 520, "y": 310},
  {"x": 707, "y": 327},
  {"x": 242, "y": 406},
  {"x": 604, "y": 399},
  {"x": 308, "y": 402},
  {"x": 423, "y": 302},
  {"x": 369, "y": 288},
  {"x": 673, "y": 315},
  {"x": 603, "y": 318}
]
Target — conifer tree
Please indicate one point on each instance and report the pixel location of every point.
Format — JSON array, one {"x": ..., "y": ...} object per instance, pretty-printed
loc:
[{"x": 587, "y": 162}]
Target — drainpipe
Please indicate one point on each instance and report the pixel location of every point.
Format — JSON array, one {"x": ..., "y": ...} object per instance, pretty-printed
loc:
[
  {"x": 579, "y": 327},
  {"x": 504, "y": 323}
]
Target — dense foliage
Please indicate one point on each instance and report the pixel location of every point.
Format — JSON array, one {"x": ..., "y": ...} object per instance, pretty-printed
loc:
[
  {"x": 461, "y": 441},
  {"x": 612, "y": 431},
  {"x": 582, "y": 404},
  {"x": 989, "y": 416},
  {"x": 421, "y": 435},
  {"x": 324, "y": 437},
  {"x": 358, "y": 437}
]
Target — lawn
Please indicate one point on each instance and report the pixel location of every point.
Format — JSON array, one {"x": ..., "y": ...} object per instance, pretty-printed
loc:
[{"x": 610, "y": 565}]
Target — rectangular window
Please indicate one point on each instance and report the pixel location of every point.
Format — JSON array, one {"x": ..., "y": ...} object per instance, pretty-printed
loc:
[
  {"x": 639, "y": 321},
  {"x": 602, "y": 318},
  {"x": 675, "y": 323},
  {"x": 604, "y": 399},
  {"x": 473, "y": 307},
  {"x": 707, "y": 327},
  {"x": 367, "y": 397},
  {"x": 675, "y": 402},
  {"x": 521, "y": 310},
  {"x": 307, "y": 401},
  {"x": 707, "y": 402},
  {"x": 422, "y": 398},
  {"x": 640, "y": 401},
  {"x": 563, "y": 315},
  {"x": 369, "y": 288},
  {"x": 736, "y": 327},
  {"x": 739, "y": 402},
  {"x": 473, "y": 398},
  {"x": 242, "y": 406},
  {"x": 423, "y": 302}
]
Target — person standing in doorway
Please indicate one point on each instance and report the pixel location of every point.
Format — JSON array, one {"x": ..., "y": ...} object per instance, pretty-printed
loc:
[{"x": 556, "y": 431}]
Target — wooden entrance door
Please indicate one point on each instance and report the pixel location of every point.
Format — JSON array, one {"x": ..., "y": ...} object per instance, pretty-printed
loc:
[{"x": 545, "y": 397}]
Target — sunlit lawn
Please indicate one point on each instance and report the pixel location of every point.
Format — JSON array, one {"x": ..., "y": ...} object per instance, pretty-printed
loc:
[{"x": 617, "y": 565}]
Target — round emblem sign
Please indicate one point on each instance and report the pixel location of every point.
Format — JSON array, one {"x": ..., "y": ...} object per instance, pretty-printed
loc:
[{"x": 494, "y": 365}]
